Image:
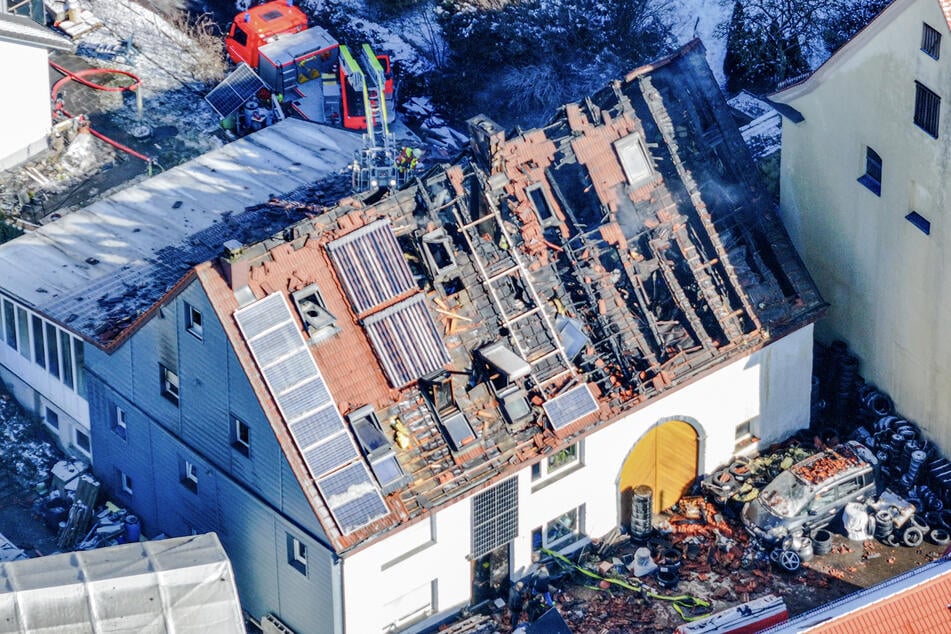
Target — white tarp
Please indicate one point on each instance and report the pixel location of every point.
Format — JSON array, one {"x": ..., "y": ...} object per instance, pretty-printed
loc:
[{"x": 183, "y": 584}]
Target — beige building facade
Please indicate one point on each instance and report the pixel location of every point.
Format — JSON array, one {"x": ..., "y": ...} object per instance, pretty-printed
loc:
[{"x": 865, "y": 162}]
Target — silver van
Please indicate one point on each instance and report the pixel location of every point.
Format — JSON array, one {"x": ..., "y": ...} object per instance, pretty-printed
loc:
[{"x": 811, "y": 493}]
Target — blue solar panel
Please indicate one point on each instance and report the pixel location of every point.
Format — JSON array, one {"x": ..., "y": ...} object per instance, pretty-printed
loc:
[
  {"x": 306, "y": 398},
  {"x": 236, "y": 89},
  {"x": 406, "y": 341},
  {"x": 571, "y": 406},
  {"x": 315, "y": 427},
  {"x": 330, "y": 454},
  {"x": 371, "y": 266},
  {"x": 353, "y": 498}
]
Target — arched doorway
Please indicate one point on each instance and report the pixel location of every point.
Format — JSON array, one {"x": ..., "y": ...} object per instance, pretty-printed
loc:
[{"x": 666, "y": 460}]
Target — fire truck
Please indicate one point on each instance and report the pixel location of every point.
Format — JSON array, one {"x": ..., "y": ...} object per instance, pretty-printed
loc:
[{"x": 285, "y": 64}]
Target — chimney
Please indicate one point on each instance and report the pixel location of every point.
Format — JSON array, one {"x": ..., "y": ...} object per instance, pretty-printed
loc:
[
  {"x": 487, "y": 138},
  {"x": 236, "y": 269}
]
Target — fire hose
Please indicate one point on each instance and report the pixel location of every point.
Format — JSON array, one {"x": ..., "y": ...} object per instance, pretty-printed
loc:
[
  {"x": 689, "y": 607},
  {"x": 80, "y": 77}
]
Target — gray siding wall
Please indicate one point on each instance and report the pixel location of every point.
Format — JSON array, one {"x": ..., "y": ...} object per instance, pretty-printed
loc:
[{"x": 251, "y": 500}]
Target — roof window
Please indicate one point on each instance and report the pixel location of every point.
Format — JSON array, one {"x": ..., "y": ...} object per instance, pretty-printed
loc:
[{"x": 634, "y": 159}]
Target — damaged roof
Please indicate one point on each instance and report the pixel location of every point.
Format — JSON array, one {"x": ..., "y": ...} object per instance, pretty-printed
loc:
[
  {"x": 506, "y": 305},
  {"x": 22, "y": 30},
  {"x": 97, "y": 270}
]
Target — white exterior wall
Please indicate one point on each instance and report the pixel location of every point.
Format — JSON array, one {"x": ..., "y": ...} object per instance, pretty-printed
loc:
[
  {"x": 38, "y": 391},
  {"x": 27, "y": 116},
  {"x": 773, "y": 384},
  {"x": 886, "y": 281}
]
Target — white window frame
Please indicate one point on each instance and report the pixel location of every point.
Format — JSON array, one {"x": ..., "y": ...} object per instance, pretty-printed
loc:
[
  {"x": 50, "y": 414},
  {"x": 125, "y": 481},
  {"x": 297, "y": 554},
  {"x": 121, "y": 428},
  {"x": 565, "y": 539},
  {"x": 242, "y": 445},
  {"x": 170, "y": 384},
  {"x": 76, "y": 432},
  {"x": 190, "y": 475},
  {"x": 545, "y": 469},
  {"x": 193, "y": 325}
]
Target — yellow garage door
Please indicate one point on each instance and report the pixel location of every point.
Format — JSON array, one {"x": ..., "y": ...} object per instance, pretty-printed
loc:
[{"x": 665, "y": 459}]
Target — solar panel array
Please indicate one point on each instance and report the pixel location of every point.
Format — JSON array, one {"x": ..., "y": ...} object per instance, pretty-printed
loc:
[
  {"x": 352, "y": 496},
  {"x": 406, "y": 341},
  {"x": 370, "y": 266},
  {"x": 236, "y": 89},
  {"x": 298, "y": 388},
  {"x": 571, "y": 406}
]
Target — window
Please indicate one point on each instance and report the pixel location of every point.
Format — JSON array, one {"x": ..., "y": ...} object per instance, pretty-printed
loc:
[
  {"x": 52, "y": 350},
  {"x": 411, "y": 607},
  {"x": 169, "y": 383},
  {"x": 927, "y": 109},
  {"x": 119, "y": 424},
  {"x": 494, "y": 517},
  {"x": 919, "y": 221},
  {"x": 634, "y": 159},
  {"x": 240, "y": 436},
  {"x": 9, "y": 324},
  {"x": 930, "y": 41},
  {"x": 557, "y": 461},
  {"x": 563, "y": 528},
  {"x": 189, "y": 476},
  {"x": 81, "y": 440},
  {"x": 872, "y": 178},
  {"x": 125, "y": 482},
  {"x": 193, "y": 321},
  {"x": 67, "y": 351},
  {"x": 39, "y": 347},
  {"x": 297, "y": 554},
  {"x": 80, "y": 375},
  {"x": 745, "y": 433},
  {"x": 23, "y": 332},
  {"x": 240, "y": 36},
  {"x": 51, "y": 418}
]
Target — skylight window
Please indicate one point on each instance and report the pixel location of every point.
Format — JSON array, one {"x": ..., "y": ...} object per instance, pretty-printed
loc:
[{"x": 634, "y": 159}]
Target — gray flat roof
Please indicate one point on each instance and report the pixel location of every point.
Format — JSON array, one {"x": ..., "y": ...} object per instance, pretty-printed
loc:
[
  {"x": 23, "y": 30},
  {"x": 96, "y": 270}
]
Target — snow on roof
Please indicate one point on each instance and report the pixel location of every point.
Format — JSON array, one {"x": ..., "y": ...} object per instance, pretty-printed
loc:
[
  {"x": 179, "y": 584},
  {"x": 96, "y": 270},
  {"x": 23, "y": 30}
]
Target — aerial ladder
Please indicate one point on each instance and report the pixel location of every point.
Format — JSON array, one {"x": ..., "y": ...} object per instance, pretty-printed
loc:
[{"x": 375, "y": 166}]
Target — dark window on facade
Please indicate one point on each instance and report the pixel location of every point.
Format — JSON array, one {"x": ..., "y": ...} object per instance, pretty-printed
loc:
[
  {"x": 125, "y": 481},
  {"x": 52, "y": 418},
  {"x": 193, "y": 321},
  {"x": 9, "y": 323},
  {"x": 52, "y": 350},
  {"x": 189, "y": 475},
  {"x": 240, "y": 436},
  {"x": 930, "y": 41},
  {"x": 169, "y": 384},
  {"x": 494, "y": 517},
  {"x": 119, "y": 425},
  {"x": 919, "y": 221},
  {"x": 927, "y": 109},
  {"x": 23, "y": 332},
  {"x": 39, "y": 347},
  {"x": 872, "y": 178},
  {"x": 80, "y": 375},
  {"x": 297, "y": 554},
  {"x": 67, "y": 350},
  {"x": 82, "y": 440}
]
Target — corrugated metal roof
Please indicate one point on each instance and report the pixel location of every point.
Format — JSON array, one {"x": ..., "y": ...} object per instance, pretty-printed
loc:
[{"x": 98, "y": 269}]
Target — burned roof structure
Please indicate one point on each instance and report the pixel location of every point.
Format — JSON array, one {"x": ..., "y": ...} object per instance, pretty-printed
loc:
[{"x": 513, "y": 302}]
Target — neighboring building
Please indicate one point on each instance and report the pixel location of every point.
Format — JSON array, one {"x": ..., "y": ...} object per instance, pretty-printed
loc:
[
  {"x": 83, "y": 279},
  {"x": 387, "y": 406},
  {"x": 24, "y": 68},
  {"x": 181, "y": 584},
  {"x": 916, "y": 601},
  {"x": 865, "y": 160}
]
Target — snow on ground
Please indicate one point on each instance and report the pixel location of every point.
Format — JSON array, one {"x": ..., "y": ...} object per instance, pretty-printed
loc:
[{"x": 701, "y": 18}]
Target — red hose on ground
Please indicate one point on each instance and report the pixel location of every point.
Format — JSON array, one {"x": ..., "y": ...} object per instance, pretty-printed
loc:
[{"x": 79, "y": 76}]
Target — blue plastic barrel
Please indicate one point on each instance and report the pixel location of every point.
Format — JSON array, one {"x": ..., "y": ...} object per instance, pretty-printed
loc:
[{"x": 132, "y": 528}]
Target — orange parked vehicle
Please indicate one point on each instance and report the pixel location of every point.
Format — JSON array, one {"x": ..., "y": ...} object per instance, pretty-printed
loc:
[{"x": 312, "y": 75}]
